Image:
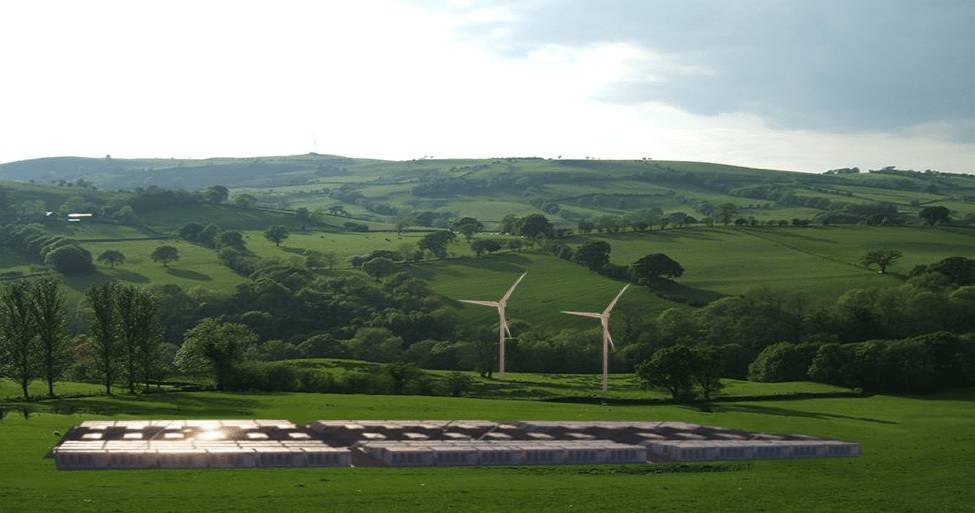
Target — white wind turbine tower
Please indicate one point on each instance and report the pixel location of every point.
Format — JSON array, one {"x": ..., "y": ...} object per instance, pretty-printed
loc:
[
  {"x": 607, "y": 339},
  {"x": 502, "y": 322}
]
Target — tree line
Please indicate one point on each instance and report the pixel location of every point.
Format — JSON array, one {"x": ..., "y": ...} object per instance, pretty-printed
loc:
[{"x": 125, "y": 335}]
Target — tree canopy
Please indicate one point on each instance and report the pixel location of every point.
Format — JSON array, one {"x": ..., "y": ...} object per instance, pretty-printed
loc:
[
  {"x": 935, "y": 215},
  {"x": 654, "y": 266},
  {"x": 593, "y": 254},
  {"x": 111, "y": 257},
  {"x": 276, "y": 233},
  {"x": 164, "y": 255},
  {"x": 882, "y": 258}
]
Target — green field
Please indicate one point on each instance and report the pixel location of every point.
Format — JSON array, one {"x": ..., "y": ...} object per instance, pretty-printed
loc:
[
  {"x": 917, "y": 457},
  {"x": 346, "y": 245},
  {"x": 10, "y": 391},
  {"x": 551, "y": 285},
  {"x": 821, "y": 261}
]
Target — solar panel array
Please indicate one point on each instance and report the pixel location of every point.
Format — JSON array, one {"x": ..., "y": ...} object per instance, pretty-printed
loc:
[{"x": 280, "y": 443}]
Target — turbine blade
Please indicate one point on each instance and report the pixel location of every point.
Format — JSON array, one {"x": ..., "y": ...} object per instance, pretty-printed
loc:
[
  {"x": 507, "y": 329},
  {"x": 594, "y": 315},
  {"x": 506, "y": 295},
  {"x": 493, "y": 304},
  {"x": 615, "y": 299},
  {"x": 610, "y": 337}
]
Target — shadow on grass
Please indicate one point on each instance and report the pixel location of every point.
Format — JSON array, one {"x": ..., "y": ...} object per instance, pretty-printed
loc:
[
  {"x": 668, "y": 289},
  {"x": 189, "y": 275},
  {"x": 787, "y": 412},
  {"x": 170, "y": 404},
  {"x": 126, "y": 275},
  {"x": 295, "y": 251},
  {"x": 508, "y": 262}
]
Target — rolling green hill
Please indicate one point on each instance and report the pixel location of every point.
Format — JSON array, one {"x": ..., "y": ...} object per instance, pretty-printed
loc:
[
  {"x": 567, "y": 190},
  {"x": 822, "y": 261}
]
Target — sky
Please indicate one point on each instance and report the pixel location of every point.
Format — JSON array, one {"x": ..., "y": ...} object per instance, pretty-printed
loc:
[{"x": 803, "y": 85}]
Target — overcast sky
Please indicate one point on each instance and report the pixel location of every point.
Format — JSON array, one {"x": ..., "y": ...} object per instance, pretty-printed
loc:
[{"x": 803, "y": 85}]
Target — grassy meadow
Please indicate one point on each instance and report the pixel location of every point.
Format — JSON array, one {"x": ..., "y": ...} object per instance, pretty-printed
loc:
[{"x": 923, "y": 445}]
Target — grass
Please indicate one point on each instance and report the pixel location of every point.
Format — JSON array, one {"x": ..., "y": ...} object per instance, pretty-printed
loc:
[
  {"x": 345, "y": 245},
  {"x": 197, "y": 266},
  {"x": 821, "y": 261},
  {"x": 917, "y": 457},
  {"x": 551, "y": 285},
  {"x": 10, "y": 391},
  {"x": 920, "y": 245}
]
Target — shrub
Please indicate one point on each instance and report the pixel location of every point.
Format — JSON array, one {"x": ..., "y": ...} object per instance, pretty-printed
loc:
[
  {"x": 782, "y": 362},
  {"x": 458, "y": 383},
  {"x": 70, "y": 259}
]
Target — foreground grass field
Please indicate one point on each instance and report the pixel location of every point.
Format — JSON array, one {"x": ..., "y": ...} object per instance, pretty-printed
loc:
[{"x": 917, "y": 457}]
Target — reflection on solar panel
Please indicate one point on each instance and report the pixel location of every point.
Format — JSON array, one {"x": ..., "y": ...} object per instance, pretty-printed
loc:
[{"x": 140, "y": 444}]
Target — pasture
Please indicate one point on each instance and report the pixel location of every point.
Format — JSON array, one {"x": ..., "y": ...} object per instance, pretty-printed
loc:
[{"x": 924, "y": 445}]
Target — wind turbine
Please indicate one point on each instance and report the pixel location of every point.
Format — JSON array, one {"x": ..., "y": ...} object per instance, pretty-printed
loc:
[
  {"x": 502, "y": 323},
  {"x": 607, "y": 339}
]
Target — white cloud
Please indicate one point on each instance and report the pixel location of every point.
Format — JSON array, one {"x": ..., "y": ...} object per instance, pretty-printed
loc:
[{"x": 371, "y": 79}]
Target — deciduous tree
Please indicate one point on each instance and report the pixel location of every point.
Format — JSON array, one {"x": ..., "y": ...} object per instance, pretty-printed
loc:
[
  {"x": 18, "y": 335},
  {"x": 164, "y": 255},
  {"x": 47, "y": 309},
  {"x": 112, "y": 257},
  {"x": 882, "y": 258}
]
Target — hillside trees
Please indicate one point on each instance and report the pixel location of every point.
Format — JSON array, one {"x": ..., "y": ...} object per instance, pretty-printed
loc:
[
  {"x": 958, "y": 270},
  {"x": 683, "y": 371},
  {"x": 782, "y": 362},
  {"x": 468, "y": 227},
  {"x": 593, "y": 254},
  {"x": 69, "y": 259},
  {"x": 651, "y": 267},
  {"x": 534, "y": 226},
  {"x": 921, "y": 364},
  {"x": 245, "y": 200},
  {"x": 47, "y": 311},
  {"x": 882, "y": 258},
  {"x": 482, "y": 246},
  {"x": 726, "y": 213},
  {"x": 330, "y": 259},
  {"x": 139, "y": 334},
  {"x": 436, "y": 242},
  {"x": 111, "y": 257},
  {"x": 191, "y": 232},
  {"x": 711, "y": 365},
  {"x": 935, "y": 215},
  {"x": 276, "y": 234},
  {"x": 164, "y": 255},
  {"x": 18, "y": 335},
  {"x": 101, "y": 300},
  {"x": 672, "y": 369},
  {"x": 379, "y": 267},
  {"x": 230, "y": 239},
  {"x": 208, "y": 236},
  {"x": 215, "y": 348},
  {"x": 216, "y": 194}
]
